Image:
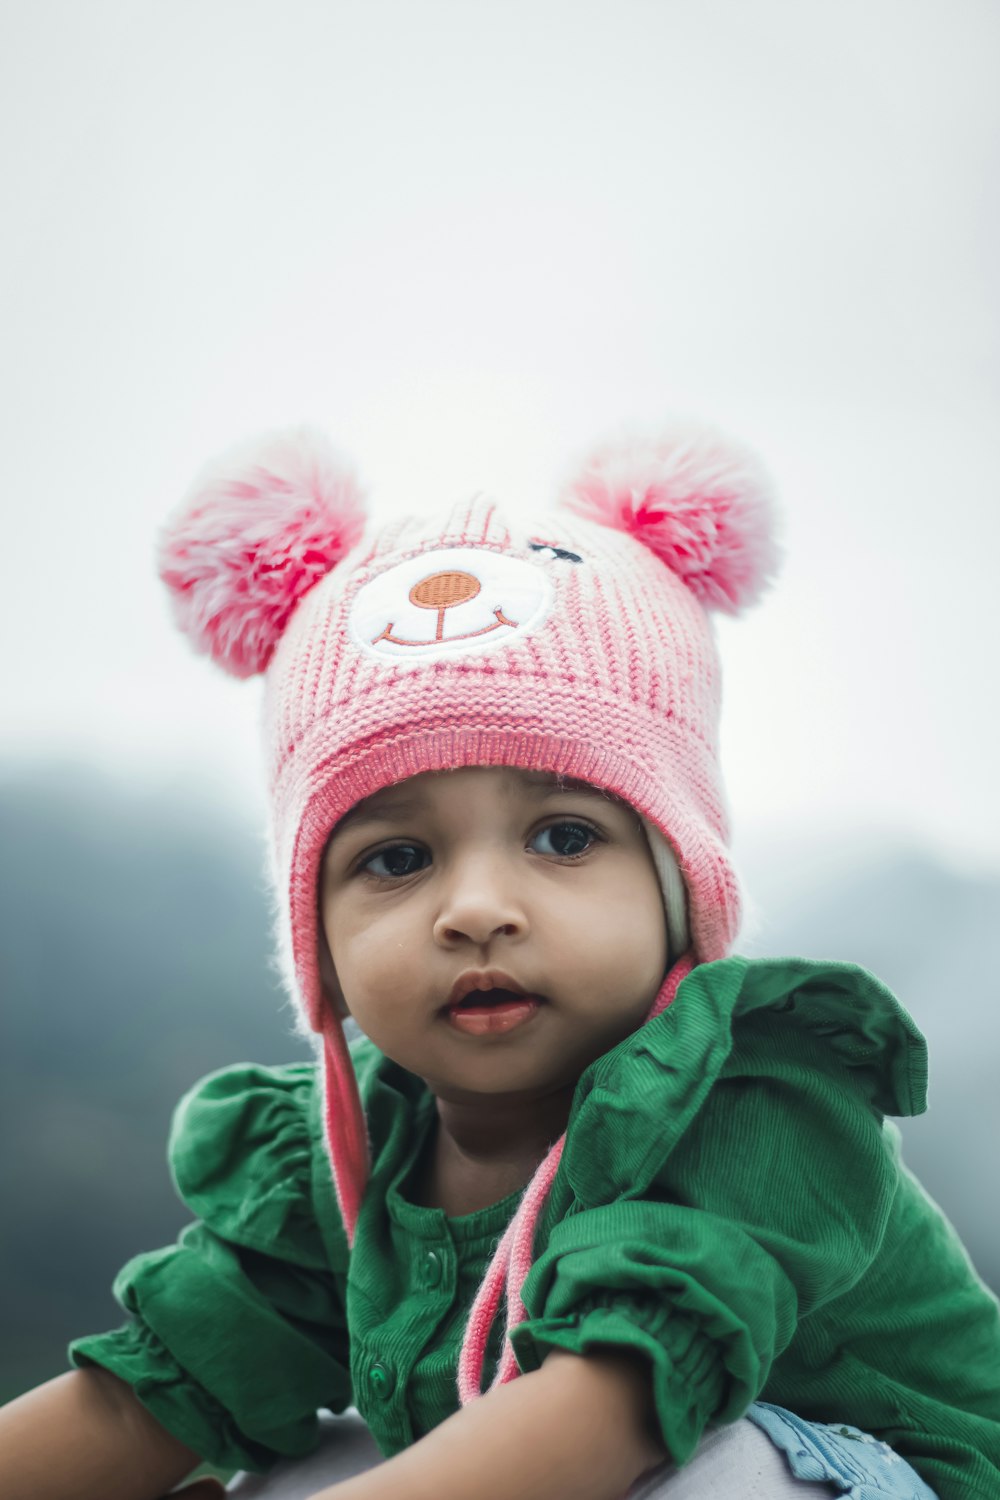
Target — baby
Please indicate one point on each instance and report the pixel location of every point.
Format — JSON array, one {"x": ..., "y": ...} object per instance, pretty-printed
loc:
[{"x": 589, "y": 1205}]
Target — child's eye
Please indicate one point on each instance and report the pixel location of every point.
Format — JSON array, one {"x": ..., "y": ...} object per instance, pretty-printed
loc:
[
  {"x": 566, "y": 839},
  {"x": 396, "y": 862}
]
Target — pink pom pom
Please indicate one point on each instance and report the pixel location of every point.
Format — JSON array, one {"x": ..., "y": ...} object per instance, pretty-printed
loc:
[
  {"x": 695, "y": 498},
  {"x": 260, "y": 526}
]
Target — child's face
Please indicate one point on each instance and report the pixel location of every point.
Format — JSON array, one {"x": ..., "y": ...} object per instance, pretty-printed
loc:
[{"x": 453, "y": 875}]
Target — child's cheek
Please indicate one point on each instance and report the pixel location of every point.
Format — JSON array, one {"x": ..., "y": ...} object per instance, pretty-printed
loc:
[{"x": 378, "y": 969}]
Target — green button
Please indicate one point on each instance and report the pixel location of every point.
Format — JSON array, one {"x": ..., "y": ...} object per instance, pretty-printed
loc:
[
  {"x": 432, "y": 1268},
  {"x": 382, "y": 1380}
]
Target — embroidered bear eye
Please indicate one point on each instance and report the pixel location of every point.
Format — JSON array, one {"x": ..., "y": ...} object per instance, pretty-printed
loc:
[{"x": 560, "y": 553}]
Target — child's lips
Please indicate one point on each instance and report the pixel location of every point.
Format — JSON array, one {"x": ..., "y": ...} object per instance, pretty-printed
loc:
[
  {"x": 493, "y": 1017},
  {"x": 489, "y": 1002}
]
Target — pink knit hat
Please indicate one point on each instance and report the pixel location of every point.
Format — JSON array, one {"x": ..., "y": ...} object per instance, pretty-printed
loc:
[{"x": 577, "y": 643}]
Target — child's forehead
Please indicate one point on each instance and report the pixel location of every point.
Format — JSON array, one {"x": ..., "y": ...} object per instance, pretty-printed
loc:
[{"x": 436, "y": 788}]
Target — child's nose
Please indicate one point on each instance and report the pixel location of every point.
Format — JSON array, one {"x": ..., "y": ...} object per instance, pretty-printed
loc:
[{"x": 480, "y": 902}]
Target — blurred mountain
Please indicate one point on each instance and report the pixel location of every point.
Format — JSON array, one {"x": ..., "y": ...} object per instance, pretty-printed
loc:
[
  {"x": 927, "y": 931},
  {"x": 135, "y": 956}
]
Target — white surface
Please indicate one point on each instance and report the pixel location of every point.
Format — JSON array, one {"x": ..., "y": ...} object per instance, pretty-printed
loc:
[{"x": 736, "y": 1463}]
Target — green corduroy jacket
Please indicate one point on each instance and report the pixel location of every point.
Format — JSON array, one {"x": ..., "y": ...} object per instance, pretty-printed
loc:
[{"x": 731, "y": 1205}]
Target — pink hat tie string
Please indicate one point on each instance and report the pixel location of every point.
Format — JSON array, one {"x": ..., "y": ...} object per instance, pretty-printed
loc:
[
  {"x": 344, "y": 1121},
  {"x": 512, "y": 1258}
]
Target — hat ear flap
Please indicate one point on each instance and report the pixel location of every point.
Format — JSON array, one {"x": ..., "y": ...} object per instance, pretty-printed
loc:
[
  {"x": 697, "y": 499},
  {"x": 259, "y": 527}
]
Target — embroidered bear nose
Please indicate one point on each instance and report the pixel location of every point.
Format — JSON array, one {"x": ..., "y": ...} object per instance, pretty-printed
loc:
[{"x": 441, "y": 590}]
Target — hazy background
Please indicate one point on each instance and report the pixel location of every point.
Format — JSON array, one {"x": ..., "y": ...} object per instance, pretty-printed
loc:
[{"x": 469, "y": 239}]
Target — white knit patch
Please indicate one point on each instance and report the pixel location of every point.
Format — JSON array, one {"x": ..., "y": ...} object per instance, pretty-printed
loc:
[{"x": 448, "y": 602}]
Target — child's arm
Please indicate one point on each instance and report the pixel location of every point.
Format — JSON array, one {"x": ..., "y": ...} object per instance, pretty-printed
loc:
[
  {"x": 579, "y": 1426},
  {"x": 85, "y": 1436}
]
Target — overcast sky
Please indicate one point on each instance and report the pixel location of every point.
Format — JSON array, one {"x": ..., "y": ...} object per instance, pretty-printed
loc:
[{"x": 469, "y": 239}]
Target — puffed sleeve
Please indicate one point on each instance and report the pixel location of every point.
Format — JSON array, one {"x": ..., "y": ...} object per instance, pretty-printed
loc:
[
  {"x": 237, "y": 1333},
  {"x": 727, "y": 1175}
]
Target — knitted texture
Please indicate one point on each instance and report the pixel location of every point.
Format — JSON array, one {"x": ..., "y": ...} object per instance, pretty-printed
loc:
[
  {"x": 617, "y": 685},
  {"x": 257, "y": 530},
  {"x": 572, "y": 646},
  {"x": 696, "y": 499}
]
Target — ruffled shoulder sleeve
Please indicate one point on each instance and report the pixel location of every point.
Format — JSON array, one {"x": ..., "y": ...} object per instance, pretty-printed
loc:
[
  {"x": 237, "y": 1334},
  {"x": 823, "y": 1027},
  {"x": 246, "y": 1155},
  {"x": 726, "y": 1174}
]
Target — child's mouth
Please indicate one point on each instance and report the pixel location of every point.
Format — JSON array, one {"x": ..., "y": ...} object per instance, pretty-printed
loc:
[{"x": 491, "y": 1012}]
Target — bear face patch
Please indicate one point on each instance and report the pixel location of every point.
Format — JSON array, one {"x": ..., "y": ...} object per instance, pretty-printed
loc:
[{"x": 448, "y": 602}]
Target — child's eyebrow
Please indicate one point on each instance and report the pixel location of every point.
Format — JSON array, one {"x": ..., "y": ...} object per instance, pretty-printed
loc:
[
  {"x": 362, "y": 813},
  {"x": 541, "y": 782}
]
